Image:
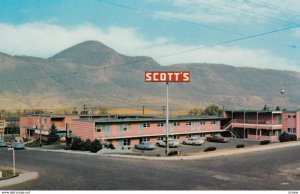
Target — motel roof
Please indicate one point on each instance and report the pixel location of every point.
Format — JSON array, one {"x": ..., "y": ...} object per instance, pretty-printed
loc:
[
  {"x": 151, "y": 119},
  {"x": 93, "y": 115},
  {"x": 253, "y": 111}
]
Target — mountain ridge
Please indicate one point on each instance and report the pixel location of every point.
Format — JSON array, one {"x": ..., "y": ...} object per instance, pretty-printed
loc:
[{"x": 92, "y": 73}]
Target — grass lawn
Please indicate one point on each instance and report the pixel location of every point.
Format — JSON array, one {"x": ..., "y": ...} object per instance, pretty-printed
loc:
[{"x": 7, "y": 174}]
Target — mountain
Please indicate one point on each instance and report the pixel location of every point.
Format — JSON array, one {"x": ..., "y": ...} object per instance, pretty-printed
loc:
[{"x": 92, "y": 73}]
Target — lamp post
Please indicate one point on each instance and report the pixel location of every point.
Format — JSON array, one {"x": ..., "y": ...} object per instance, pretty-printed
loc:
[{"x": 14, "y": 159}]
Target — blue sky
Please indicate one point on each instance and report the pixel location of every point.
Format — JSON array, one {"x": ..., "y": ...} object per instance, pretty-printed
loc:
[{"x": 158, "y": 27}]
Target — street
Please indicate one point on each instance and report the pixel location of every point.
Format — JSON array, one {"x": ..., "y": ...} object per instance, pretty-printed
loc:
[{"x": 270, "y": 170}]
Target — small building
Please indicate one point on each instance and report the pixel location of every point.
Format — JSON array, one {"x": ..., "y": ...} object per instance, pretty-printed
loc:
[
  {"x": 32, "y": 125},
  {"x": 291, "y": 122},
  {"x": 130, "y": 131},
  {"x": 255, "y": 124}
]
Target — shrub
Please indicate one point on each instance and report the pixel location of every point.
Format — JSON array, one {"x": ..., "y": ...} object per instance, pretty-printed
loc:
[
  {"x": 240, "y": 146},
  {"x": 86, "y": 145},
  {"x": 76, "y": 144},
  {"x": 173, "y": 153},
  {"x": 284, "y": 137},
  {"x": 95, "y": 146},
  {"x": 293, "y": 137},
  {"x": 264, "y": 142},
  {"x": 111, "y": 146},
  {"x": 210, "y": 149}
]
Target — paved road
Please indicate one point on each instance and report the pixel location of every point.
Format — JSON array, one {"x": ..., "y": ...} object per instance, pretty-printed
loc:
[{"x": 276, "y": 169}]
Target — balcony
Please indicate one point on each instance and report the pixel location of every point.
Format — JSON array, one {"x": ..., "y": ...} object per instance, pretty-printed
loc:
[{"x": 253, "y": 124}]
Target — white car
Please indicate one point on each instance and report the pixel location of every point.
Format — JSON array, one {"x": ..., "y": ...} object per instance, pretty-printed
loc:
[
  {"x": 172, "y": 143},
  {"x": 193, "y": 141}
]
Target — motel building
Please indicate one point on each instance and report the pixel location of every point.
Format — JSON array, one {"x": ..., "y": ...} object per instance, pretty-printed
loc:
[
  {"x": 32, "y": 125},
  {"x": 130, "y": 131},
  {"x": 263, "y": 124}
]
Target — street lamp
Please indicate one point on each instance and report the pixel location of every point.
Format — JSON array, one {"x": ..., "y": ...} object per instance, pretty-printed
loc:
[{"x": 14, "y": 160}]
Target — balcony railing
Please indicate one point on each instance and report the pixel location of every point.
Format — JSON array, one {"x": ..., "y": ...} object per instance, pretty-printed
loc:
[{"x": 247, "y": 121}]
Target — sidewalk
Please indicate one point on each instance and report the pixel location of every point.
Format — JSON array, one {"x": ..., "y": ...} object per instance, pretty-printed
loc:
[
  {"x": 23, "y": 177},
  {"x": 195, "y": 156}
]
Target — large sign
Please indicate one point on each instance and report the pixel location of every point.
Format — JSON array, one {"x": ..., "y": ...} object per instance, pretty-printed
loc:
[{"x": 167, "y": 76}]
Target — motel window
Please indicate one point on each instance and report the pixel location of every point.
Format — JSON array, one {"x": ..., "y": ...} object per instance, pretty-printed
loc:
[
  {"x": 126, "y": 142},
  {"x": 146, "y": 125},
  {"x": 99, "y": 128},
  {"x": 213, "y": 122},
  {"x": 294, "y": 116},
  {"x": 174, "y": 137},
  {"x": 202, "y": 134},
  {"x": 176, "y": 124},
  {"x": 188, "y": 123},
  {"x": 202, "y": 123},
  {"x": 160, "y": 124},
  {"x": 289, "y": 116},
  {"x": 291, "y": 130},
  {"x": 145, "y": 139},
  {"x": 188, "y": 136},
  {"x": 126, "y": 127},
  {"x": 160, "y": 138}
]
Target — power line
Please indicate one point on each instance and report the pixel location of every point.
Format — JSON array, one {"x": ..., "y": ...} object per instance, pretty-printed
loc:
[
  {"x": 190, "y": 22},
  {"x": 162, "y": 56},
  {"x": 275, "y": 20}
]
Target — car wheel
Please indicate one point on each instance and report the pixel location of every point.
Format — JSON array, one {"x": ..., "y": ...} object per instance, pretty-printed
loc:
[
  {"x": 193, "y": 144},
  {"x": 183, "y": 143}
]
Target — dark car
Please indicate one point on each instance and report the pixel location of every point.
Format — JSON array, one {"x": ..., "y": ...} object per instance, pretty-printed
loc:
[{"x": 217, "y": 138}]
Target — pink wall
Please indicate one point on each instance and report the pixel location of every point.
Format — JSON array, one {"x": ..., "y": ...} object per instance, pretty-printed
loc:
[{"x": 84, "y": 130}]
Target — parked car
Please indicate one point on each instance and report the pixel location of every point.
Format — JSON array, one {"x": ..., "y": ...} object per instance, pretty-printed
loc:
[
  {"x": 172, "y": 143},
  {"x": 193, "y": 141},
  {"x": 217, "y": 138},
  {"x": 144, "y": 146},
  {"x": 17, "y": 146},
  {"x": 3, "y": 144}
]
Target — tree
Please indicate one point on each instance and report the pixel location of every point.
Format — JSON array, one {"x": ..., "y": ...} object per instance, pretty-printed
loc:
[
  {"x": 213, "y": 110},
  {"x": 53, "y": 137},
  {"x": 196, "y": 111}
]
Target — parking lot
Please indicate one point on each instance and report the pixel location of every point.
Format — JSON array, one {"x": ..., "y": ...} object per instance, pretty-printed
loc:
[{"x": 190, "y": 149}]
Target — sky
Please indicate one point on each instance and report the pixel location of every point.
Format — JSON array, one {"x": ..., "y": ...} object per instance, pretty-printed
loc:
[{"x": 169, "y": 31}]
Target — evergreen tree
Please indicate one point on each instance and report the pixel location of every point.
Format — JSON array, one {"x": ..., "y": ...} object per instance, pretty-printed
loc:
[{"x": 53, "y": 137}]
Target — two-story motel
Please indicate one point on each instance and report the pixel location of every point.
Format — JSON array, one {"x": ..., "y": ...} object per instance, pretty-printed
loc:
[
  {"x": 129, "y": 131},
  {"x": 123, "y": 130}
]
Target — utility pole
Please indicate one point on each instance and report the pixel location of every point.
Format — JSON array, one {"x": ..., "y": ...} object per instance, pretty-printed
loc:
[
  {"x": 167, "y": 120},
  {"x": 41, "y": 126},
  {"x": 84, "y": 109},
  {"x": 143, "y": 110},
  {"x": 163, "y": 109}
]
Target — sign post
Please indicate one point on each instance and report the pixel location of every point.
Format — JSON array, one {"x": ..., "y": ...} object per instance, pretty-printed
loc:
[
  {"x": 167, "y": 76},
  {"x": 14, "y": 159}
]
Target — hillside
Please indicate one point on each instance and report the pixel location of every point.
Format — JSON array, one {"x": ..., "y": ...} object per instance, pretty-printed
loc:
[{"x": 94, "y": 74}]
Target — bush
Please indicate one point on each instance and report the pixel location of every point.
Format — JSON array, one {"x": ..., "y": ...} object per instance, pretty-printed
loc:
[
  {"x": 264, "y": 142},
  {"x": 111, "y": 146},
  {"x": 76, "y": 144},
  {"x": 173, "y": 153},
  {"x": 210, "y": 149},
  {"x": 284, "y": 137},
  {"x": 86, "y": 146},
  {"x": 240, "y": 146},
  {"x": 95, "y": 146}
]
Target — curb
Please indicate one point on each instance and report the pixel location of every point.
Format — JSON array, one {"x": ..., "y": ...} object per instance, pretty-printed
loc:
[
  {"x": 22, "y": 178},
  {"x": 200, "y": 155},
  {"x": 235, "y": 151}
]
